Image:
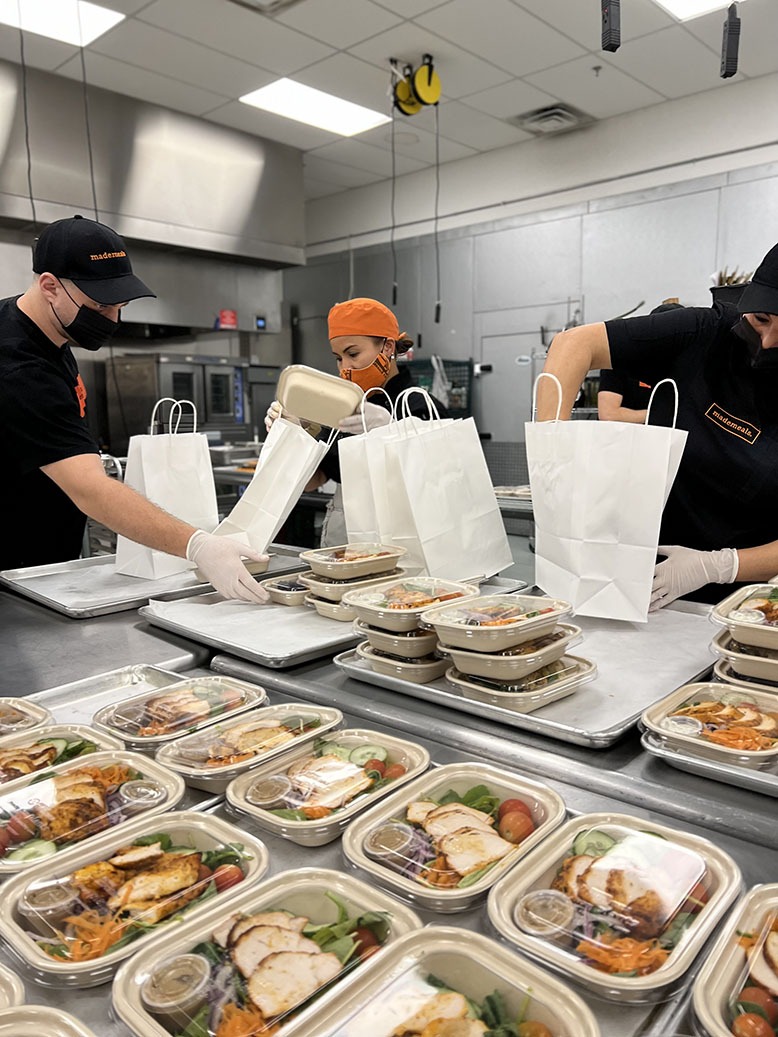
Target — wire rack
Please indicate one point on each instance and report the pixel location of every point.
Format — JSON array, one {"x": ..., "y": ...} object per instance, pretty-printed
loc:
[{"x": 460, "y": 377}]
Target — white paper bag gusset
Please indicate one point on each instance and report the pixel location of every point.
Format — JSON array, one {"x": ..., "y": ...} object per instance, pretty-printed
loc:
[
  {"x": 174, "y": 471},
  {"x": 287, "y": 461},
  {"x": 598, "y": 491}
]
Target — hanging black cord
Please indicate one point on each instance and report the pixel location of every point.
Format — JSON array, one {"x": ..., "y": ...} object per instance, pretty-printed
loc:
[
  {"x": 393, "y": 220},
  {"x": 437, "y": 202},
  {"x": 86, "y": 117},
  {"x": 23, "y": 63}
]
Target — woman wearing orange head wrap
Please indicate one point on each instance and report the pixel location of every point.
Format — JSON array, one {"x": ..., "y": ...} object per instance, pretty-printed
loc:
[{"x": 366, "y": 340}]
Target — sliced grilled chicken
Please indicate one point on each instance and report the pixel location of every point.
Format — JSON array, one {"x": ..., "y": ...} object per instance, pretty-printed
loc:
[
  {"x": 152, "y": 911},
  {"x": 221, "y": 933},
  {"x": 96, "y": 882},
  {"x": 256, "y": 944},
  {"x": 571, "y": 870},
  {"x": 417, "y": 811},
  {"x": 468, "y": 849},
  {"x": 439, "y": 825},
  {"x": 137, "y": 856},
  {"x": 442, "y": 1006},
  {"x": 284, "y": 979},
  {"x": 174, "y": 872},
  {"x": 340, "y": 792},
  {"x": 282, "y": 919},
  {"x": 71, "y": 821},
  {"x": 454, "y": 1028},
  {"x": 82, "y": 790},
  {"x": 763, "y": 964}
]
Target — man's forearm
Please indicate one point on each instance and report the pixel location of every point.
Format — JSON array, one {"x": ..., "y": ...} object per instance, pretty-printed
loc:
[
  {"x": 125, "y": 511},
  {"x": 758, "y": 563}
]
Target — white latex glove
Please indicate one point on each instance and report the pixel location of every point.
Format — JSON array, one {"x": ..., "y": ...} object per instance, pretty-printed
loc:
[
  {"x": 275, "y": 411},
  {"x": 220, "y": 560},
  {"x": 685, "y": 570},
  {"x": 375, "y": 417}
]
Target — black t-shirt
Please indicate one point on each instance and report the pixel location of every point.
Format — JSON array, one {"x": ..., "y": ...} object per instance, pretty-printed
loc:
[
  {"x": 726, "y": 490},
  {"x": 417, "y": 405},
  {"x": 42, "y": 420},
  {"x": 634, "y": 393}
]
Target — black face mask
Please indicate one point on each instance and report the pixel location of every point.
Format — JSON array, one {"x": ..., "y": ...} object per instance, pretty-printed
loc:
[
  {"x": 759, "y": 358},
  {"x": 89, "y": 328}
]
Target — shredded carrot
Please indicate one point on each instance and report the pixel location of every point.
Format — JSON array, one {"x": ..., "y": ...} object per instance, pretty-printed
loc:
[
  {"x": 244, "y": 1022},
  {"x": 739, "y": 738},
  {"x": 624, "y": 954},
  {"x": 94, "y": 934},
  {"x": 113, "y": 774}
]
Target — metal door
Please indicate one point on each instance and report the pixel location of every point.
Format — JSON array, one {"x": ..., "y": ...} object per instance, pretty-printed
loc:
[{"x": 503, "y": 389}]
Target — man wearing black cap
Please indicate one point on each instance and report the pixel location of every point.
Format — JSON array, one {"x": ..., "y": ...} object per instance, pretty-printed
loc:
[
  {"x": 720, "y": 520},
  {"x": 51, "y": 464}
]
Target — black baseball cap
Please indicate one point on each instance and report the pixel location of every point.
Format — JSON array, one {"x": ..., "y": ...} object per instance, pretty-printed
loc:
[
  {"x": 761, "y": 293},
  {"x": 92, "y": 256}
]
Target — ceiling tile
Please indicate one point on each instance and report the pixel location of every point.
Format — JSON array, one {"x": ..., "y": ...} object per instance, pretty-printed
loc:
[
  {"x": 513, "y": 98},
  {"x": 758, "y": 55},
  {"x": 318, "y": 189},
  {"x": 602, "y": 94},
  {"x": 239, "y": 32},
  {"x": 365, "y": 156},
  {"x": 272, "y": 127},
  {"x": 350, "y": 78},
  {"x": 38, "y": 51},
  {"x": 409, "y": 8},
  {"x": 582, "y": 21},
  {"x": 341, "y": 23},
  {"x": 125, "y": 6},
  {"x": 121, "y": 78},
  {"x": 321, "y": 169},
  {"x": 138, "y": 43},
  {"x": 476, "y": 129},
  {"x": 415, "y": 138},
  {"x": 460, "y": 73},
  {"x": 670, "y": 61},
  {"x": 509, "y": 37}
]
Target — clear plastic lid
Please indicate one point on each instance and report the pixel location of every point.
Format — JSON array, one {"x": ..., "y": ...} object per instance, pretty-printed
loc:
[
  {"x": 356, "y": 552},
  {"x": 22, "y": 754},
  {"x": 623, "y": 900},
  {"x": 413, "y": 593},
  {"x": 727, "y": 717},
  {"x": 760, "y": 606},
  {"x": 561, "y": 670},
  {"x": 20, "y": 715},
  {"x": 11, "y": 989},
  {"x": 34, "y": 1020},
  {"x": 499, "y": 610},
  {"x": 313, "y": 580}
]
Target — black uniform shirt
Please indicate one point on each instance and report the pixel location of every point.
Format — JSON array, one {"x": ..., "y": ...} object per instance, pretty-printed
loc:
[
  {"x": 417, "y": 405},
  {"x": 726, "y": 490},
  {"x": 42, "y": 420},
  {"x": 634, "y": 393}
]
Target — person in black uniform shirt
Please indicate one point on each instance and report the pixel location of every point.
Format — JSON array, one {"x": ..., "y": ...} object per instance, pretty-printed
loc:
[
  {"x": 50, "y": 462},
  {"x": 719, "y": 523},
  {"x": 366, "y": 340}
]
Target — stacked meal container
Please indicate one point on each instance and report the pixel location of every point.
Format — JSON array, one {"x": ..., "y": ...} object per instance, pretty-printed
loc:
[{"x": 336, "y": 570}]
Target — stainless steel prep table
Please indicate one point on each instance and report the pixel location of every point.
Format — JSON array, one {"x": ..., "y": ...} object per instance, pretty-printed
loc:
[{"x": 615, "y": 1020}]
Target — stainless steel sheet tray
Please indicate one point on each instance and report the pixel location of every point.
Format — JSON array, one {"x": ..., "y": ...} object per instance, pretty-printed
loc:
[
  {"x": 271, "y": 635},
  {"x": 637, "y": 664},
  {"x": 764, "y": 781},
  {"x": 92, "y": 587}
]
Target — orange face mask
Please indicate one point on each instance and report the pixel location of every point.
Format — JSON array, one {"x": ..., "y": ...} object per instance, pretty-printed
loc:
[{"x": 371, "y": 377}]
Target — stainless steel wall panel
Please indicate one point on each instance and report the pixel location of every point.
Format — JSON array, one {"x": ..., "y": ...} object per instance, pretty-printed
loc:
[{"x": 748, "y": 223}]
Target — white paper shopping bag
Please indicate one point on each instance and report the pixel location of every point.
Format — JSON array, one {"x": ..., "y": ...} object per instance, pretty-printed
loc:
[
  {"x": 288, "y": 459},
  {"x": 598, "y": 490},
  {"x": 174, "y": 471}
]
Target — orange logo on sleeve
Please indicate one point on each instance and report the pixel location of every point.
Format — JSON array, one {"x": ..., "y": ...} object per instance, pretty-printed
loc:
[{"x": 81, "y": 395}]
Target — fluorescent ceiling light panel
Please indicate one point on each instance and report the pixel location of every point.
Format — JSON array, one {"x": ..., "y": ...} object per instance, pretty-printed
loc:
[
  {"x": 684, "y": 10},
  {"x": 314, "y": 107},
  {"x": 60, "y": 19}
]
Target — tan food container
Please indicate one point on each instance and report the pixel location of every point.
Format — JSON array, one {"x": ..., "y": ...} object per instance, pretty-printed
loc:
[
  {"x": 157, "y": 790},
  {"x": 540, "y": 687},
  {"x": 420, "y": 671},
  {"x": 11, "y": 989},
  {"x": 673, "y": 730},
  {"x": 747, "y": 660},
  {"x": 35, "y": 1020},
  {"x": 275, "y": 585},
  {"x": 760, "y": 634},
  {"x": 333, "y": 590},
  {"x": 331, "y": 609},
  {"x": 353, "y": 561},
  {"x": 383, "y": 606},
  {"x": 414, "y": 644},
  {"x": 317, "y": 832},
  {"x": 303, "y": 893},
  {"x": 547, "y": 808},
  {"x": 728, "y": 968},
  {"x": 514, "y": 663},
  {"x": 378, "y": 1002},
  {"x": 187, "y": 756},
  {"x": 721, "y": 879},
  {"x": 127, "y": 719},
  {"x": 463, "y": 625},
  {"x": 316, "y": 396},
  {"x": 187, "y": 828},
  {"x": 22, "y": 715},
  {"x": 72, "y": 733},
  {"x": 724, "y": 670}
]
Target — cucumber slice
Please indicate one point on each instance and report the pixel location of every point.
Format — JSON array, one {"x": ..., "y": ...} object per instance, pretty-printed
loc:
[
  {"x": 593, "y": 843},
  {"x": 333, "y": 749},
  {"x": 60, "y": 744},
  {"x": 363, "y": 753},
  {"x": 34, "y": 850},
  {"x": 735, "y": 698}
]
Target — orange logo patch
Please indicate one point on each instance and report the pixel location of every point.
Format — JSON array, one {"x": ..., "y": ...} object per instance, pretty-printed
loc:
[
  {"x": 735, "y": 426},
  {"x": 81, "y": 395}
]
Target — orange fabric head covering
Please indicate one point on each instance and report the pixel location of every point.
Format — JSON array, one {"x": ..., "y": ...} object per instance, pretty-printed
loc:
[{"x": 362, "y": 317}]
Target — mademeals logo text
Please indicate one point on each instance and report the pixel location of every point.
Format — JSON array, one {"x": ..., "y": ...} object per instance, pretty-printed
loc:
[
  {"x": 109, "y": 255},
  {"x": 736, "y": 426}
]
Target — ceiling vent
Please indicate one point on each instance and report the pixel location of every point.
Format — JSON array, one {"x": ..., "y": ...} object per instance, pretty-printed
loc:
[
  {"x": 554, "y": 118},
  {"x": 265, "y": 6}
]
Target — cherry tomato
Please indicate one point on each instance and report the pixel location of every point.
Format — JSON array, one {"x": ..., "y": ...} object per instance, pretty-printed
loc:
[
  {"x": 21, "y": 827},
  {"x": 752, "y": 1025},
  {"x": 697, "y": 899},
  {"x": 227, "y": 875},
  {"x": 760, "y": 998},
  {"x": 395, "y": 770},
  {"x": 510, "y": 806},
  {"x": 4, "y": 842},
  {"x": 367, "y": 942},
  {"x": 530, "y": 1029},
  {"x": 204, "y": 873},
  {"x": 516, "y": 826},
  {"x": 375, "y": 765}
]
